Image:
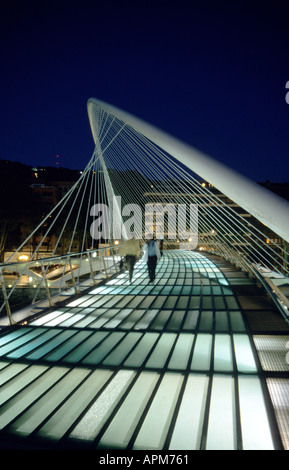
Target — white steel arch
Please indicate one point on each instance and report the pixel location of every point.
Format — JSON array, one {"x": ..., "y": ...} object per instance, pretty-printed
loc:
[{"x": 267, "y": 207}]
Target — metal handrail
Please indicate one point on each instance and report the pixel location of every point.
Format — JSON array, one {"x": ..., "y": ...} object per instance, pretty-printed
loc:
[
  {"x": 66, "y": 260},
  {"x": 57, "y": 257}
]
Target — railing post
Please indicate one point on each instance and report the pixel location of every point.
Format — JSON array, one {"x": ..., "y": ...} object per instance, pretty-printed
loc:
[
  {"x": 6, "y": 300},
  {"x": 91, "y": 268},
  {"x": 112, "y": 250},
  {"x": 106, "y": 275},
  {"x": 72, "y": 277},
  {"x": 46, "y": 285}
]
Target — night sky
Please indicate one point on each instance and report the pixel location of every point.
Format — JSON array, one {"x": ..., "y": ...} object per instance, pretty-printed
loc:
[{"x": 212, "y": 73}]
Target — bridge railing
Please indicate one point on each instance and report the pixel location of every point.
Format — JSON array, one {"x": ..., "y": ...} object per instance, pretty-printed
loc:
[{"x": 25, "y": 283}]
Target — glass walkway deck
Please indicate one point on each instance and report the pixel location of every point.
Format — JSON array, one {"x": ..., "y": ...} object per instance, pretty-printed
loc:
[{"x": 196, "y": 360}]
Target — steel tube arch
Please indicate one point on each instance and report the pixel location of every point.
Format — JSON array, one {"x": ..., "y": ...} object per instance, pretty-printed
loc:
[{"x": 267, "y": 207}]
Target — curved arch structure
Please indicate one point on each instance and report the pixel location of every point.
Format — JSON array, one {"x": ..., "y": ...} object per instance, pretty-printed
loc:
[{"x": 270, "y": 209}]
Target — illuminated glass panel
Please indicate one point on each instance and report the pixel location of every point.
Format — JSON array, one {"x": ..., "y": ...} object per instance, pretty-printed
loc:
[
  {"x": 158, "y": 302},
  {"x": 26, "y": 397},
  {"x": 75, "y": 317},
  {"x": 99, "y": 353},
  {"x": 170, "y": 301},
  {"x": 12, "y": 336},
  {"x": 223, "y": 360},
  {"x": 217, "y": 290},
  {"x": 182, "y": 350},
  {"x": 222, "y": 411},
  {"x": 146, "y": 319},
  {"x": 154, "y": 331},
  {"x": 19, "y": 341},
  {"x": 33, "y": 417},
  {"x": 111, "y": 303},
  {"x": 20, "y": 380},
  {"x": 113, "y": 316},
  {"x": 46, "y": 318},
  {"x": 91, "y": 301},
  {"x": 231, "y": 302},
  {"x": 61, "y": 318},
  {"x": 189, "y": 424},
  {"x": 132, "y": 319},
  {"x": 160, "y": 353},
  {"x": 86, "y": 320},
  {"x": 219, "y": 303},
  {"x": 195, "y": 303},
  {"x": 221, "y": 320},
  {"x": 85, "y": 347},
  {"x": 176, "y": 320},
  {"x": 202, "y": 352},
  {"x": 95, "y": 417},
  {"x": 122, "y": 350},
  {"x": 154, "y": 430},
  {"x": 53, "y": 342},
  {"x": 256, "y": 434},
  {"x": 141, "y": 351},
  {"x": 127, "y": 418},
  {"x": 191, "y": 320},
  {"x": 196, "y": 289},
  {"x": 206, "y": 322},
  {"x": 145, "y": 303},
  {"x": 10, "y": 371},
  {"x": 50, "y": 345},
  {"x": 207, "y": 303},
  {"x": 78, "y": 301},
  {"x": 237, "y": 322},
  {"x": 244, "y": 354},
  {"x": 68, "y": 346},
  {"x": 161, "y": 319},
  {"x": 38, "y": 341}
]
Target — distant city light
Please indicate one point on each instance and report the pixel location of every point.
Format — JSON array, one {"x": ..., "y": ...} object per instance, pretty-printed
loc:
[{"x": 23, "y": 258}]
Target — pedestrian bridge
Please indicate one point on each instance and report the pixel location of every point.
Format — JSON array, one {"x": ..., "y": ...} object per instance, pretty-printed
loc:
[{"x": 195, "y": 360}]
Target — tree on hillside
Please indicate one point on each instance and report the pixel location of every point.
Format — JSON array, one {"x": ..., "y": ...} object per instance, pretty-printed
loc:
[{"x": 19, "y": 207}]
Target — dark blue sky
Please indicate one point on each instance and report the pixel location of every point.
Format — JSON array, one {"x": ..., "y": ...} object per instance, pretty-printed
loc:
[{"x": 212, "y": 73}]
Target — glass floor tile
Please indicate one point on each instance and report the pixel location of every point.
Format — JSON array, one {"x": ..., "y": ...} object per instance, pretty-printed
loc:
[{"x": 172, "y": 364}]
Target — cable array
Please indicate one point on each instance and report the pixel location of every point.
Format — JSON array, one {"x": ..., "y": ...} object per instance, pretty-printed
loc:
[
  {"x": 141, "y": 172},
  {"x": 127, "y": 168}
]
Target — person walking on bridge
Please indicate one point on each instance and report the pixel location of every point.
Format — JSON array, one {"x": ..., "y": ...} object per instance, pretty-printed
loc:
[
  {"x": 151, "y": 256},
  {"x": 130, "y": 250}
]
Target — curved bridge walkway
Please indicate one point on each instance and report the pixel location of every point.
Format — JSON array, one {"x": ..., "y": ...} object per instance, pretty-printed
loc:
[{"x": 196, "y": 360}]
